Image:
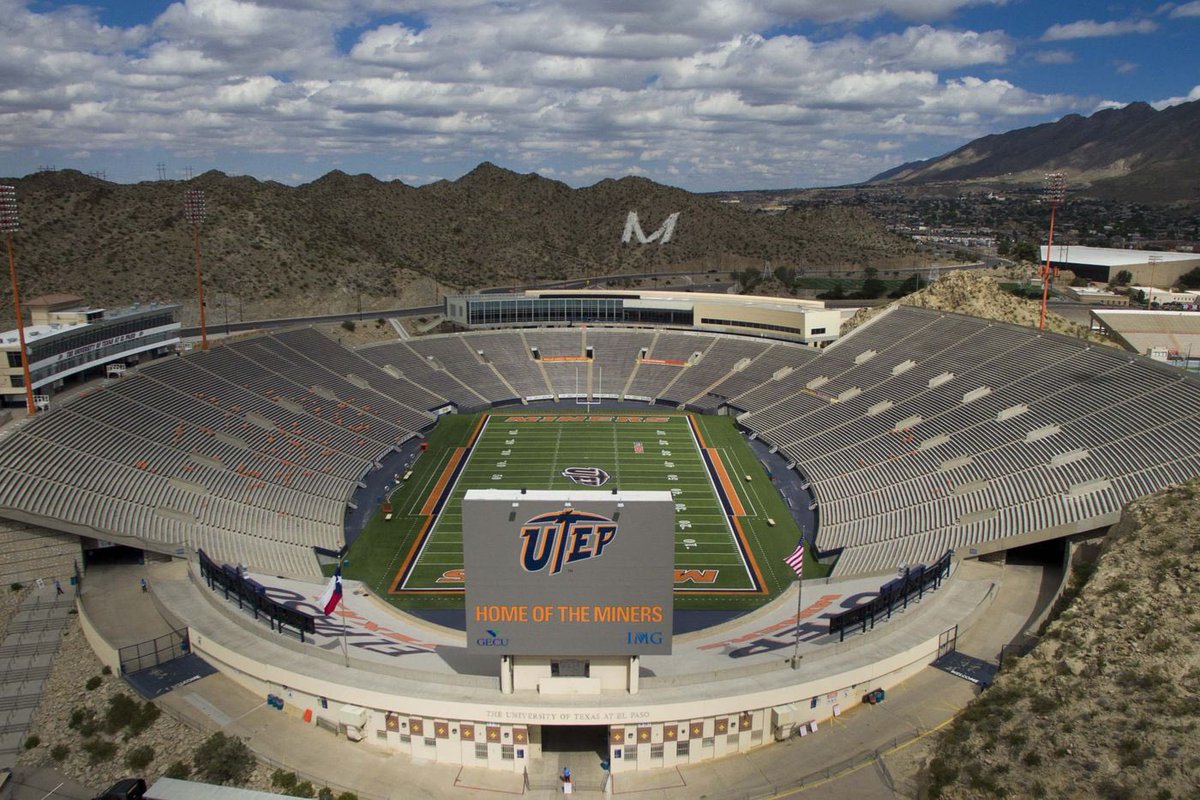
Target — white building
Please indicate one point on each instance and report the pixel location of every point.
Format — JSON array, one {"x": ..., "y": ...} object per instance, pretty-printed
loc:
[
  {"x": 66, "y": 338},
  {"x": 1159, "y": 268}
]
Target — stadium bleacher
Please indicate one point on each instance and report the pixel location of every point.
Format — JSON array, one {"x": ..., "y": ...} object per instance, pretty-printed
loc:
[{"x": 921, "y": 431}]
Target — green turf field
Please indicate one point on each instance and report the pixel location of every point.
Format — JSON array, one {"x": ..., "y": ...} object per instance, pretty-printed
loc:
[{"x": 416, "y": 557}]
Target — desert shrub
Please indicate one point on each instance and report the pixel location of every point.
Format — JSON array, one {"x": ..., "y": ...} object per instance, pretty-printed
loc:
[
  {"x": 125, "y": 712},
  {"x": 99, "y": 750},
  {"x": 60, "y": 752},
  {"x": 93, "y": 683},
  {"x": 282, "y": 779},
  {"x": 16, "y": 587},
  {"x": 32, "y": 742},
  {"x": 83, "y": 720},
  {"x": 223, "y": 759},
  {"x": 349, "y": 325},
  {"x": 303, "y": 789},
  {"x": 139, "y": 758},
  {"x": 942, "y": 773},
  {"x": 325, "y": 793},
  {"x": 347, "y": 796},
  {"x": 107, "y": 670},
  {"x": 178, "y": 770}
]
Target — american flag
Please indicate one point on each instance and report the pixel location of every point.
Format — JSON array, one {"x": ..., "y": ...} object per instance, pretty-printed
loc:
[{"x": 796, "y": 559}]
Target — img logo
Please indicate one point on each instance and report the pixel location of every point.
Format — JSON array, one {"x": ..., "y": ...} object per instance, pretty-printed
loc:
[
  {"x": 587, "y": 476},
  {"x": 558, "y": 538}
]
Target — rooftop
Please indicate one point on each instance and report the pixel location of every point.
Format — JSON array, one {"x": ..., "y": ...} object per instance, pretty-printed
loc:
[
  {"x": 35, "y": 332},
  {"x": 1112, "y": 256}
]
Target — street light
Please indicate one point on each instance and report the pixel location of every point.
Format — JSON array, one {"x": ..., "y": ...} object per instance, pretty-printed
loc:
[
  {"x": 193, "y": 212},
  {"x": 9, "y": 224},
  {"x": 1054, "y": 193}
]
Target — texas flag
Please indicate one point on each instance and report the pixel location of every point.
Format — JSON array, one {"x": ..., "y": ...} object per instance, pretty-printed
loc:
[{"x": 333, "y": 593}]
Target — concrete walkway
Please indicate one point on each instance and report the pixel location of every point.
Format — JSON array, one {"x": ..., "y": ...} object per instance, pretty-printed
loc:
[
  {"x": 29, "y": 646},
  {"x": 869, "y": 752}
]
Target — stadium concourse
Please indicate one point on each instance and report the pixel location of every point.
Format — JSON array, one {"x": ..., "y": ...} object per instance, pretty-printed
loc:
[{"x": 922, "y": 432}]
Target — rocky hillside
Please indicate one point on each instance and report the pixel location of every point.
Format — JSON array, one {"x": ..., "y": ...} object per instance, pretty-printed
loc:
[
  {"x": 1136, "y": 152},
  {"x": 343, "y": 238},
  {"x": 1108, "y": 704},
  {"x": 978, "y": 294}
]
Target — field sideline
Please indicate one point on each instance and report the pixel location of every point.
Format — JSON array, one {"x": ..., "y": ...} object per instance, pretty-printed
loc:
[{"x": 727, "y": 554}]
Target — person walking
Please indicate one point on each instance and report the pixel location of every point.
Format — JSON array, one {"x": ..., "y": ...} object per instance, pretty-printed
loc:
[
  {"x": 57, "y": 587},
  {"x": 145, "y": 585}
]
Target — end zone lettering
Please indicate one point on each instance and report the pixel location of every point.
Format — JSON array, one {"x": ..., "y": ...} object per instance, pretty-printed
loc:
[
  {"x": 681, "y": 576},
  {"x": 587, "y": 418}
]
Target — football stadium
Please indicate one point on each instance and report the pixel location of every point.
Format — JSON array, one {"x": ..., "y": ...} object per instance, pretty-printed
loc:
[{"x": 495, "y": 547}]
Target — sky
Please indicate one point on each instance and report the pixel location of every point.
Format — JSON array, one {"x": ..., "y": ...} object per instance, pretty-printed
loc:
[{"x": 707, "y": 95}]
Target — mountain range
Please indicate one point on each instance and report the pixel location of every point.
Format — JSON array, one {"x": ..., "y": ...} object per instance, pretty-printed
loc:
[
  {"x": 1133, "y": 153},
  {"x": 343, "y": 235}
]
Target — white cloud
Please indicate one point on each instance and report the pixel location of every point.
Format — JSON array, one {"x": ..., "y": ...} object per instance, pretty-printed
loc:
[
  {"x": 704, "y": 90},
  {"x": 1194, "y": 94},
  {"x": 1090, "y": 29},
  {"x": 1054, "y": 57},
  {"x": 1191, "y": 9}
]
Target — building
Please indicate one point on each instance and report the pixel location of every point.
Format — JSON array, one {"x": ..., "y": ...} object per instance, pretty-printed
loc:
[
  {"x": 1093, "y": 296},
  {"x": 68, "y": 338},
  {"x": 1164, "y": 298},
  {"x": 793, "y": 320},
  {"x": 1169, "y": 336},
  {"x": 1157, "y": 268}
]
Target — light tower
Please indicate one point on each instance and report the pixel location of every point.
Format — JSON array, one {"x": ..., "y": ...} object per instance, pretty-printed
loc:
[
  {"x": 9, "y": 223},
  {"x": 1054, "y": 193},
  {"x": 1153, "y": 260},
  {"x": 193, "y": 212}
]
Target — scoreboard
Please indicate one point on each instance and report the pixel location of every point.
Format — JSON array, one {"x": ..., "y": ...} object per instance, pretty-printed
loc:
[{"x": 569, "y": 573}]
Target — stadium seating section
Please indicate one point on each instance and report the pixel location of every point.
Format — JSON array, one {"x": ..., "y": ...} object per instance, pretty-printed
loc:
[{"x": 921, "y": 431}]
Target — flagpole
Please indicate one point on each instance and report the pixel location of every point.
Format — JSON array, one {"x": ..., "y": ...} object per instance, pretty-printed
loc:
[
  {"x": 796, "y": 648},
  {"x": 342, "y": 606},
  {"x": 799, "y": 605}
]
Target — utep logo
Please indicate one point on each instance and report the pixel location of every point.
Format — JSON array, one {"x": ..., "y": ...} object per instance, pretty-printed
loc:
[
  {"x": 563, "y": 537},
  {"x": 587, "y": 476}
]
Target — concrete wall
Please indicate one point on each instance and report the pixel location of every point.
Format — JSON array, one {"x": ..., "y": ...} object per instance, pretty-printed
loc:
[{"x": 726, "y": 711}]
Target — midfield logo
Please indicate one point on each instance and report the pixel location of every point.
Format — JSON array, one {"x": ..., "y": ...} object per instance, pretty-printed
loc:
[
  {"x": 587, "y": 476},
  {"x": 558, "y": 538}
]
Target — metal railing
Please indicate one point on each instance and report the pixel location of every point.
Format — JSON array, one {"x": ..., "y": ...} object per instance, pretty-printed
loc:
[{"x": 152, "y": 652}]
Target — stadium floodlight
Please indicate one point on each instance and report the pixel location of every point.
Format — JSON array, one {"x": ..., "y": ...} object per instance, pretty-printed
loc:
[
  {"x": 1054, "y": 193},
  {"x": 10, "y": 223},
  {"x": 193, "y": 212},
  {"x": 1153, "y": 260}
]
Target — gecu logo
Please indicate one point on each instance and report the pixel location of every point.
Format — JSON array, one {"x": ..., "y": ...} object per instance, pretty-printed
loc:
[
  {"x": 587, "y": 476},
  {"x": 564, "y": 537},
  {"x": 493, "y": 639}
]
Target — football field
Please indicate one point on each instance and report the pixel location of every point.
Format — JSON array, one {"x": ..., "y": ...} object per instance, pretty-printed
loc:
[{"x": 731, "y": 527}]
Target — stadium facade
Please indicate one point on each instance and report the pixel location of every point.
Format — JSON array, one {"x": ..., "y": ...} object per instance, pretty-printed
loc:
[{"x": 789, "y": 319}]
